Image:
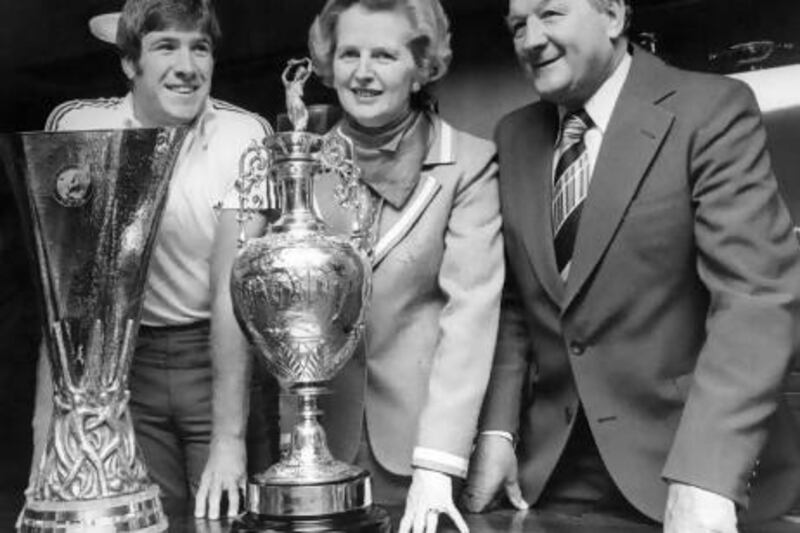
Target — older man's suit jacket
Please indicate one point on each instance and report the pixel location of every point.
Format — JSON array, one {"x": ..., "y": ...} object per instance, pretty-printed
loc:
[
  {"x": 432, "y": 321},
  {"x": 679, "y": 318}
]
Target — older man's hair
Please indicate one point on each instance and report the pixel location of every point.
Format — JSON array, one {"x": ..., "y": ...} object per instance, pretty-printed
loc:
[
  {"x": 140, "y": 17},
  {"x": 600, "y": 4},
  {"x": 430, "y": 46}
]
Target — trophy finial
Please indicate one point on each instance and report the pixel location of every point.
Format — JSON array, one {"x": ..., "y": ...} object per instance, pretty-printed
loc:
[{"x": 294, "y": 77}]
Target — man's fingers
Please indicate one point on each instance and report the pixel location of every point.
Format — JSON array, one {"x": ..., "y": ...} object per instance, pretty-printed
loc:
[
  {"x": 201, "y": 498},
  {"x": 405, "y": 523},
  {"x": 233, "y": 500},
  {"x": 214, "y": 496},
  {"x": 475, "y": 498},
  {"x": 514, "y": 494}
]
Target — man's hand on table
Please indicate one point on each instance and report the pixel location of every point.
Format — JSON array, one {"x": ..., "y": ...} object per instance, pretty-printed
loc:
[
  {"x": 224, "y": 472},
  {"x": 430, "y": 494},
  {"x": 695, "y": 510},
  {"x": 493, "y": 465}
]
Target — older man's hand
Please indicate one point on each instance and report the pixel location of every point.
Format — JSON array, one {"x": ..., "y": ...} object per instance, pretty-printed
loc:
[
  {"x": 224, "y": 472},
  {"x": 493, "y": 466},
  {"x": 695, "y": 510}
]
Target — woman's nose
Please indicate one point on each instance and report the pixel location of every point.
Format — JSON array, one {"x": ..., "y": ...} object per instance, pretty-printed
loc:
[{"x": 364, "y": 68}]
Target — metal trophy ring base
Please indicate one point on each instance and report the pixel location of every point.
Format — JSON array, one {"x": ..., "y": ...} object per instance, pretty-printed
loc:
[
  {"x": 305, "y": 500},
  {"x": 141, "y": 512},
  {"x": 342, "y": 505},
  {"x": 372, "y": 519}
]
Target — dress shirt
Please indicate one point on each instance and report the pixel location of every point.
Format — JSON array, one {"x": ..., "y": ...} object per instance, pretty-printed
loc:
[{"x": 599, "y": 108}]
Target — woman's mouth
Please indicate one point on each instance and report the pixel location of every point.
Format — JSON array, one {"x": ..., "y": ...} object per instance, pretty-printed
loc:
[{"x": 363, "y": 92}]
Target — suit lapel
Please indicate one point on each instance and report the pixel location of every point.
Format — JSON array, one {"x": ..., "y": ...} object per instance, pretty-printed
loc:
[
  {"x": 442, "y": 152},
  {"x": 634, "y": 136},
  {"x": 533, "y": 168}
]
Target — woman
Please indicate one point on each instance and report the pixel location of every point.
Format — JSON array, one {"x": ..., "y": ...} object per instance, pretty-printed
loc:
[{"x": 406, "y": 407}]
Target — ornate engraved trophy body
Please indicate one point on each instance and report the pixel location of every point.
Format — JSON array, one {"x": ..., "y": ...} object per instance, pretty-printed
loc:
[
  {"x": 300, "y": 293},
  {"x": 90, "y": 203}
]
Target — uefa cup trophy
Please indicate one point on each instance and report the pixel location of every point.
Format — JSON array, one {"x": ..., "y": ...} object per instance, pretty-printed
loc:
[
  {"x": 300, "y": 293},
  {"x": 90, "y": 203}
]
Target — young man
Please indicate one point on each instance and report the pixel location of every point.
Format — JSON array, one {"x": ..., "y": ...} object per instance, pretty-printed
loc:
[
  {"x": 653, "y": 283},
  {"x": 191, "y": 363}
]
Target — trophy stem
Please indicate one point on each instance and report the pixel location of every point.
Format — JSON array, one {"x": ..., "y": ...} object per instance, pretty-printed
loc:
[
  {"x": 308, "y": 482},
  {"x": 309, "y": 445}
]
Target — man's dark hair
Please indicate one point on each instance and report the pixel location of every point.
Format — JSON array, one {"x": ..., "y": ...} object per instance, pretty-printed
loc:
[{"x": 140, "y": 17}]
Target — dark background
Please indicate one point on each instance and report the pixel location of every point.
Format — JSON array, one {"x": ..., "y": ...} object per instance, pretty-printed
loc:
[{"x": 47, "y": 55}]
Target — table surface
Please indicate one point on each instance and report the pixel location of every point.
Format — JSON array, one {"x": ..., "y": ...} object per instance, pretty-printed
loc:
[
  {"x": 508, "y": 521},
  {"x": 502, "y": 520}
]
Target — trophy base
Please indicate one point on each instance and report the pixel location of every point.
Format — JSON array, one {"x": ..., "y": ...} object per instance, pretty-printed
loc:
[
  {"x": 372, "y": 519},
  {"x": 309, "y": 498},
  {"x": 343, "y": 505},
  {"x": 139, "y": 512}
]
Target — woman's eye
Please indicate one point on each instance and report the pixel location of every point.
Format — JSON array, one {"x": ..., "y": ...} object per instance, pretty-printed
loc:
[
  {"x": 348, "y": 54},
  {"x": 384, "y": 55}
]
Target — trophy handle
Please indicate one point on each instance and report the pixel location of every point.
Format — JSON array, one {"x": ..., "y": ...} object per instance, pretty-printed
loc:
[
  {"x": 253, "y": 184},
  {"x": 338, "y": 157}
]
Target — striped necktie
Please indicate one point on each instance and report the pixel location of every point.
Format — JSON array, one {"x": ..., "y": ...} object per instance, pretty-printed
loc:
[{"x": 570, "y": 185}]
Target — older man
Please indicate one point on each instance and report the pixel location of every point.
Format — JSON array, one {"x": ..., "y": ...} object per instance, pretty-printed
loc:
[
  {"x": 651, "y": 310},
  {"x": 191, "y": 363}
]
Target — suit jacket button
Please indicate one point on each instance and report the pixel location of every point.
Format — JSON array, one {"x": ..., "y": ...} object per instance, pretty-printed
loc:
[{"x": 576, "y": 348}]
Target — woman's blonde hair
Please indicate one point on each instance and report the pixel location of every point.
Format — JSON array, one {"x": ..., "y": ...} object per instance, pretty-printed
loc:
[{"x": 430, "y": 45}]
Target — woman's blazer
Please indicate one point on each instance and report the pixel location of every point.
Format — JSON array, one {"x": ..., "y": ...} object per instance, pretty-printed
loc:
[{"x": 417, "y": 383}]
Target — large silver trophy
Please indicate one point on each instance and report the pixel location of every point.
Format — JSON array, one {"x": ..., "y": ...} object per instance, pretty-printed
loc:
[
  {"x": 90, "y": 203},
  {"x": 301, "y": 292}
]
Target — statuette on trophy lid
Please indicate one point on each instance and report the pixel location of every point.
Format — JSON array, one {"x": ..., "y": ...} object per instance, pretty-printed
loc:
[
  {"x": 301, "y": 293},
  {"x": 294, "y": 79}
]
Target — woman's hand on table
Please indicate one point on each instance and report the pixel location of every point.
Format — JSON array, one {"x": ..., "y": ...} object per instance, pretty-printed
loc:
[{"x": 430, "y": 494}]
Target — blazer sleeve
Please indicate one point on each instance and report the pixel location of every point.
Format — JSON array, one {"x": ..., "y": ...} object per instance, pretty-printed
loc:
[
  {"x": 471, "y": 278},
  {"x": 505, "y": 392},
  {"x": 748, "y": 260}
]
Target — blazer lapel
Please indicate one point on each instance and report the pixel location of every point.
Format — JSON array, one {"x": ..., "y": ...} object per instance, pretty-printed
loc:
[
  {"x": 533, "y": 167},
  {"x": 442, "y": 152},
  {"x": 634, "y": 136},
  {"x": 426, "y": 190}
]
